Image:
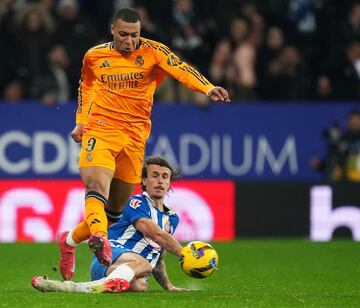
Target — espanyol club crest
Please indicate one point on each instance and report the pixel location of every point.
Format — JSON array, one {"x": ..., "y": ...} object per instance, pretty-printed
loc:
[{"x": 167, "y": 227}]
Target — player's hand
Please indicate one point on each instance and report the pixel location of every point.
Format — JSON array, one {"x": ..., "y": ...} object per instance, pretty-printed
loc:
[
  {"x": 77, "y": 133},
  {"x": 175, "y": 289},
  {"x": 219, "y": 94}
]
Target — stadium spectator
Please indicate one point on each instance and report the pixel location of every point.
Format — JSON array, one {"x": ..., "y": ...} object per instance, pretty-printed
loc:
[
  {"x": 6, "y": 49},
  {"x": 118, "y": 80},
  {"x": 268, "y": 52},
  {"x": 149, "y": 29},
  {"x": 186, "y": 39},
  {"x": 49, "y": 5},
  {"x": 192, "y": 39},
  {"x": 6, "y": 17},
  {"x": 233, "y": 62},
  {"x": 346, "y": 73},
  {"x": 250, "y": 10},
  {"x": 323, "y": 89},
  {"x": 287, "y": 77},
  {"x": 139, "y": 240},
  {"x": 349, "y": 28},
  {"x": 344, "y": 31},
  {"x": 13, "y": 92},
  {"x": 274, "y": 42},
  {"x": 302, "y": 14},
  {"x": 342, "y": 161},
  {"x": 99, "y": 12},
  {"x": 52, "y": 85},
  {"x": 32, "y": 41},
  {"x": 77, "y": 33},
  {"x": 229, "y": 11},
  {"x": 319, "y": 31}
]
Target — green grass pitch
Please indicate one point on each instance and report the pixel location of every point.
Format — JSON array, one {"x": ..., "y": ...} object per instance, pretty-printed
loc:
[{"x": 252, "y": 273}]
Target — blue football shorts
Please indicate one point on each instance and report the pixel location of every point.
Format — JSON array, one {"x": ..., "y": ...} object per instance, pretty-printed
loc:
[{"x": 98, "y": 271}]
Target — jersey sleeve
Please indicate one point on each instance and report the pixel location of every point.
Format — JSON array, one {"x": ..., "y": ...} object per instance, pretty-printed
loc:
[
  {"x": 181, "y": 71},
  {"x": 85, "y": 91},
  {"x": 135, "y": 209}
]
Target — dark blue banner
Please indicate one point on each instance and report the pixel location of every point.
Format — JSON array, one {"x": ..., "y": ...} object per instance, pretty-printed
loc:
[{"x": 234, "y": 141}]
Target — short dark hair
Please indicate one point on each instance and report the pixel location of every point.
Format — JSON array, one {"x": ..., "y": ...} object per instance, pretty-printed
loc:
[
  {"x": 126, "y": 14},
  {"x": 157, "y": 160}
]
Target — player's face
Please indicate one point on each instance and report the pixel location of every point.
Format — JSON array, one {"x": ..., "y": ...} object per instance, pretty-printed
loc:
[
  {"x": 126, "y": 36},
  {"x": 158, "y": 181}
]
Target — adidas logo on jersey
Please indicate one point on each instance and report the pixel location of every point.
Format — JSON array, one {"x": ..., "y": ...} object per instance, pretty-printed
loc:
[{"x": 105, "y": 64}]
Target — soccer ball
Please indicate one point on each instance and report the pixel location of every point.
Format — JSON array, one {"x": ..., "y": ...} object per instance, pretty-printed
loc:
[{"x": 199, "y": 259}]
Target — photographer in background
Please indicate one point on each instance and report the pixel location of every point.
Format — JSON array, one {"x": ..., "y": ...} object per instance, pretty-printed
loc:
[{"x": 342, "y": 161}]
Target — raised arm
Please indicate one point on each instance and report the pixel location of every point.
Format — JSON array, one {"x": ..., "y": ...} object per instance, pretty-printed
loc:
[
  {"x": 188, "y": 75},
  {"x": 153, "y": 231}
]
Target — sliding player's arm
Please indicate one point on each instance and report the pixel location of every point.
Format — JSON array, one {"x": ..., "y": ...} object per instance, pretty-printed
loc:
[
  {"x": 188, "y": 75},
  {"x": 160, "y": 275},
  {"x": 85, "y": 94},
  {"x": 151, "y": 230}
]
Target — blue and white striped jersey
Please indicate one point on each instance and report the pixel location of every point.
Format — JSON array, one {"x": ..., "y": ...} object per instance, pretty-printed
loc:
[{"x": 123, "y": 233}]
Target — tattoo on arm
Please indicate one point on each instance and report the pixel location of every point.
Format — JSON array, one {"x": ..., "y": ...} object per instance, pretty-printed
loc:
[{"x": 159, "y": 273}]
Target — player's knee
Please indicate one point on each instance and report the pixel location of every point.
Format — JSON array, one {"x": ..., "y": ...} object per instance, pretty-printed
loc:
[
  {"x": 148, "y": 268},
  {"x": 93, "y": 185},
  {"x": 144, "y": 268},
  {"x": 139, "y": 285}
]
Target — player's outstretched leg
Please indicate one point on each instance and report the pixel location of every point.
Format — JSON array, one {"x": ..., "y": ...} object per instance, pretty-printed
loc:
[
  {"x": 67, "y": 259},
  {"x": 100, "y": 246},
  {"x": 113, "y": 285}
]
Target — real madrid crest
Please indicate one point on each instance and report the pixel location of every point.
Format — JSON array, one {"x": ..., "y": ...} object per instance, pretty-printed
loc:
[
  {"x": 89, "y": 157},
  {"x": 139, "y": 61}
]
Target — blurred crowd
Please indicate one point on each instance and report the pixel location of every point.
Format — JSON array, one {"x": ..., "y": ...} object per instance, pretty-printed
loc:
[{"x": 277, "y": 50}]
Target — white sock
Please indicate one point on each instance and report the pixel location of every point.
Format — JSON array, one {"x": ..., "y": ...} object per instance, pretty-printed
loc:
[
  {"x": 69, "y": 239},
  {"x": 123, "y": 271}
]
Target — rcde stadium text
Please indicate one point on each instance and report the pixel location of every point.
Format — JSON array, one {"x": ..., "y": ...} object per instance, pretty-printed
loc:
[{"x": 216, "y": 153}]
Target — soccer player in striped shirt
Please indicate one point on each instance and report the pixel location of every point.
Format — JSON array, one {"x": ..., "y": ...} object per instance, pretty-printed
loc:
[{"x": 138, "y": 240}]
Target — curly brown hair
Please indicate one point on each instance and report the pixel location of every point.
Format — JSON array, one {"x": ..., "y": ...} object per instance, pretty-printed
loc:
[{"x": 157, "y": 160}]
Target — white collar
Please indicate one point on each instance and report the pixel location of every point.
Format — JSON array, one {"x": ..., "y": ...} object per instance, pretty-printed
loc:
[{"x": 167, "y": 209}]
